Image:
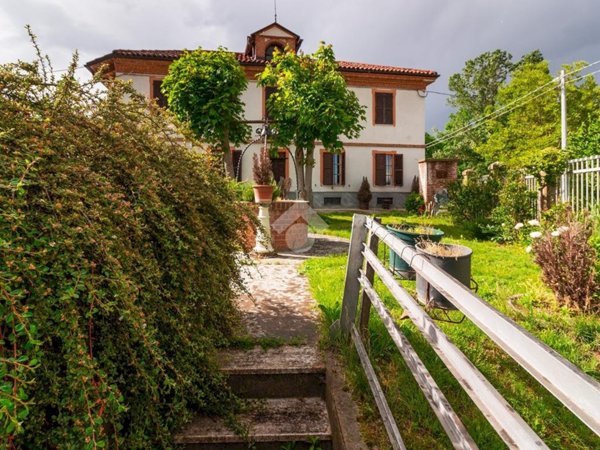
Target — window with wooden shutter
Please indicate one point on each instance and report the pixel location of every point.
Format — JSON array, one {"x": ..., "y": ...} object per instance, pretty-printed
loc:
[
  {"x": 327, "y": 161},
  {"x": 398, "y": 170},
  {"x": 157, "y": 95},
  {"x": 384, "y": 108},
  {"x": 380, "y": 169},
  {"x": 334, "y": 169}
]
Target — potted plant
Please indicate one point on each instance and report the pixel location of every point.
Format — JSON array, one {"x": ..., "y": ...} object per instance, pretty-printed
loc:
[
  {"x": 364, "y": 194},
  {"x": 452, "y": 259},
  {"x": 263, "y": 177},
  {"x": 411, "y": 235}
]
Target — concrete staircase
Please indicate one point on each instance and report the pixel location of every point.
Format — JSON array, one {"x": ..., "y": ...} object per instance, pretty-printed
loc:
[{"x": 288, "y": 403}]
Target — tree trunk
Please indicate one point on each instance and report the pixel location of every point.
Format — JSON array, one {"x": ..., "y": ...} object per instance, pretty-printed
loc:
[
  {"x": 309, "y": 165},
  {"x": 299, "y": 155},
  {"x": 227, "y": 156}
]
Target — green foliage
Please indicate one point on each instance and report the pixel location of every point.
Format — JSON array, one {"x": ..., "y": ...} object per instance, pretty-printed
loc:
[
  {"x": 529, "y": 123},
  {"x": 312, "y": 103},
  {"x": 242, "y": 190},
  {"x": 414, "y": 203},
  {"x": 204, "y": 90},
  {"x": 510, "y": 282},
  {"x": 515, "y": 205},
  {"x": 585, "y": 141},
  {"x": 471, "y": 204},
  {"x": 477, "y": 84},
  {"x": 117, "y": 268}
]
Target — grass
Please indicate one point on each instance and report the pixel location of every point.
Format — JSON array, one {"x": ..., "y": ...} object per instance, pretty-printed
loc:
[{"x": 510, "y": 282}]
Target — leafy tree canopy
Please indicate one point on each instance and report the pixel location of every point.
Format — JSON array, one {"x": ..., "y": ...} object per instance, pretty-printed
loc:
[
  {"x": 312, "y": 103},
  {"x": 204, "y": 88}
]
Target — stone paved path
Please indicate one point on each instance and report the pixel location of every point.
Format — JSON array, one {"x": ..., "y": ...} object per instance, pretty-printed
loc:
[{"x": 279, "y": 303}]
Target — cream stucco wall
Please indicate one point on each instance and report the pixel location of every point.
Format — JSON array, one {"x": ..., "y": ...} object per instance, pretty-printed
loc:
[{"x": 409, "y": 129}]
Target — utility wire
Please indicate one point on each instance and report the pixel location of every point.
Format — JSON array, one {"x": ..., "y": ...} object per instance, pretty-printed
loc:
[{"x": 497, "y": 112}]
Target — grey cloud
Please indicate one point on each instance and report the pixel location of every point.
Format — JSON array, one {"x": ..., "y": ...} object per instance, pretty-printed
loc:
[{"x": 432, "y": 34}]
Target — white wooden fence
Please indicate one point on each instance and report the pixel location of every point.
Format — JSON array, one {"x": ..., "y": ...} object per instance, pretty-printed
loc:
[
  {"x": 579, "y": 185},
  {"x": 576, "y": 390}
]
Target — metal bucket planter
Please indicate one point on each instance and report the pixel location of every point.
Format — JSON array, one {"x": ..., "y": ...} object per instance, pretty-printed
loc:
[
  {"x": 458, "y": 266},
  {"x": 409, "y": 236}
]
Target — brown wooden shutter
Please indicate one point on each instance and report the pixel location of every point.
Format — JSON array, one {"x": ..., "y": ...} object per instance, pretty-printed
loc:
[
  {"x": 380, "y": 170},
  {"x": 327, "y": 161},
  {"x": 160, "y": 98},
  {"x": 343, "y": 168},
  {"x": 398, "y": 170},
  {"x": 384, "y": 108}
]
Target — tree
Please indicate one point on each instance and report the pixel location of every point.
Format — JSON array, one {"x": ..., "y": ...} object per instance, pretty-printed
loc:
[
  {"x": 204, "y": 90},
  {"x": 476, "y": 86},
  {"x": 312, "y": 103},
  {"x": 516, "y": 136}
]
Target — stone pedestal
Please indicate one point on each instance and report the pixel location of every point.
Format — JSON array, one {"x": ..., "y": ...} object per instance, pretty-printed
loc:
[{"x": 263, "y": 233}]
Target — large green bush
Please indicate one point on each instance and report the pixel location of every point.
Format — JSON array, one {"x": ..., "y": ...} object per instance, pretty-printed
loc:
[{"x": 117, "y": 268}]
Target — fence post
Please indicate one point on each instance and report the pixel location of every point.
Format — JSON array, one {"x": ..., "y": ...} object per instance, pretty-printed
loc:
[
  {"x": 351, "y": 284},
  {"x": 365, "y": 301}
]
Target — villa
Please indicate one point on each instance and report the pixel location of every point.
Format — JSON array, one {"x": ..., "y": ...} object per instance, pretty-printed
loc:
[{"x": 387, "y": 151}]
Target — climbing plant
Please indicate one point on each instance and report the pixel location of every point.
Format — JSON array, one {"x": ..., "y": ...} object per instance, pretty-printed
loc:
[{"x": 117, "y": 267}]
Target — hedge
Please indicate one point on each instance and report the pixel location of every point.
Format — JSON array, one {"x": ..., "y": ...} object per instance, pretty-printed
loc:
[{"x": 118, "y": 267}]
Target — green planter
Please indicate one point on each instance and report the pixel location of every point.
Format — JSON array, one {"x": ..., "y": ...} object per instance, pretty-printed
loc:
[{"x": 411, "y": 237}]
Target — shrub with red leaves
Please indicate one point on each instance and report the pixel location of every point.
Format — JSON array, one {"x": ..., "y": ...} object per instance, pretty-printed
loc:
[{"x": 568, "y": 263}]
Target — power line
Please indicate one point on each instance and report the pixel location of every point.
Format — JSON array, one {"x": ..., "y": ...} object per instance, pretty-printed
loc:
[{"x": 496, "y": 113}]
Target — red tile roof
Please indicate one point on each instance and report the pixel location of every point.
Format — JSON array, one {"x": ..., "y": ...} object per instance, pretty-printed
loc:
[{"x": 251, "y": 60}]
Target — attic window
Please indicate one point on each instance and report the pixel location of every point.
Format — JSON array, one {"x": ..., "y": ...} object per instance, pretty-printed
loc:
[{"x": 271, "y": 50}]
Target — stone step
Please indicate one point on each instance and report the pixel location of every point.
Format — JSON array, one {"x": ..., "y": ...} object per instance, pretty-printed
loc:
[
  {"x": 272, "y": 423},
  {"x": 288, "y": 371}
]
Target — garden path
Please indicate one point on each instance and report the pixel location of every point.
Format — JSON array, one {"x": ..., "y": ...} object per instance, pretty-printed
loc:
[{"x": 278, "y": 302}]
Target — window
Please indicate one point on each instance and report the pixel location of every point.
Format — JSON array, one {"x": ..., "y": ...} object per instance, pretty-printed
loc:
[
  {"x": 388, "y": 169},
  {"x": 157, "y": 95},
  {"x": 333, "y": 168},
  {"x": 268, "y": 92},
  {"x": 383, "y": 108},
  {"x": 332, "y": 201},
  {"x": 271, "y": 50}
]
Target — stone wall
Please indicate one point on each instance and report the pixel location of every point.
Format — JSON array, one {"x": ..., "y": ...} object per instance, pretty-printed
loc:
[{"x": 435, "y": 175}]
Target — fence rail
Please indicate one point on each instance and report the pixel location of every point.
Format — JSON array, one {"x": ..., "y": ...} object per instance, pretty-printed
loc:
[{"x": 576, "y": 390}]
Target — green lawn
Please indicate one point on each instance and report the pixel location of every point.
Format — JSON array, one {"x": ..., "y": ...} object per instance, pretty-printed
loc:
[{"x": 503, "y": 272}]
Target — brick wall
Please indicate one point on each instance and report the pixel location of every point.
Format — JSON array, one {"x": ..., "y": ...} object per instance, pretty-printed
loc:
[
  {"x": 289, "y": 226},
  {"x": 435, "y": 175}
]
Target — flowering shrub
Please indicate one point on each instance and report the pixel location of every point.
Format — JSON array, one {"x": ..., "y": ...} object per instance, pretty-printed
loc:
[
  {"x": 117, "y": 268},
  {"x": 568, "y": 261}
]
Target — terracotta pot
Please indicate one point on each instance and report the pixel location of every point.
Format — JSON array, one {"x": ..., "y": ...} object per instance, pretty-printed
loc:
[{"x": 263, "y": 193}]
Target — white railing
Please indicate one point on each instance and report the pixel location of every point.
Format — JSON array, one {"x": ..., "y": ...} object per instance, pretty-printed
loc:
[
  {"x": 580, "y": 185},
  {"x": 576, "y": 390}
]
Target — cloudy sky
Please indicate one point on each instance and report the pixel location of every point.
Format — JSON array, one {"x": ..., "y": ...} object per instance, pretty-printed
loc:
[{"x": 430, "y": 34}]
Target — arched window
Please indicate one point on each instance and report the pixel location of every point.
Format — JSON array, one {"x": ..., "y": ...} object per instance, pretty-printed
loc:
[{"x": 271, "y": 49}]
